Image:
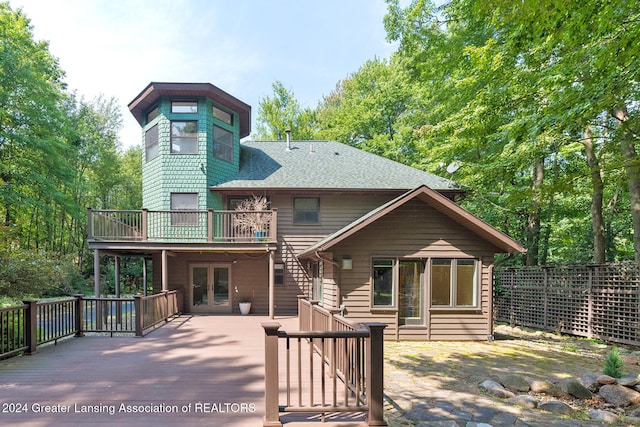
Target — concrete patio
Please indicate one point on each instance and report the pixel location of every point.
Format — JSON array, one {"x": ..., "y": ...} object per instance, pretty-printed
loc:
[{"x": 195, "y": 370}]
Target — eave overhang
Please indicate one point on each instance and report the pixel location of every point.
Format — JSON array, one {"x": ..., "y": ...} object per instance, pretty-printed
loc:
[{"x": 156, "y": 90}]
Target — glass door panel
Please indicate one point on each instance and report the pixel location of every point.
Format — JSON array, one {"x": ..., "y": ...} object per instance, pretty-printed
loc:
[
  {"x": 221, "y": 286},
  {"x": 200, "y": 286},
  {"x": 210, "y": 284}
]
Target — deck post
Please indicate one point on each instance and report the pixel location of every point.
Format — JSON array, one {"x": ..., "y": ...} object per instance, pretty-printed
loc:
[
  {"x": 89, "y": 224},
  {"x": 145, "y": 228},
  {"x": 31, "y": 326},
  {"x": 209, "y": 225},
  {"x": 375, "y": 373},
  {"x": 137, "y": 304},
  {"x": 271, "y": 375},
  {"x": 79, "y": 315}
]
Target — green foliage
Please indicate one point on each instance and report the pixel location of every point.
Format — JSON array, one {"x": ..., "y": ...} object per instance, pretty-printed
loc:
[
  {"x": 283, "y": 112},
  {"x": 29, "y": 273},
  {"x": 58, "y": 155},
  {"x": 508, "y": 90},
  {"x": 613, "y": 364}
]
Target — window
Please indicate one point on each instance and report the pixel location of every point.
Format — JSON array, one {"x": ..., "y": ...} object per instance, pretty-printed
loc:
[
  {"x": 152, "y": 114},
  {"x": 454, "y": 283},
  {"x": 223, "y": 116},
  {"x": 306, "y": 210},
  {"x": 151, "y": 143},
  {"x": 383, "y": 283},
  {"x": 184, "y": 137},
  {"x": 410, "y": 301},
  {"x": 187, "y": 202},
  {"x": 222, "y": 144},
  {"x": 278, "y": 275},
  {"x": 184, "y": 106}
]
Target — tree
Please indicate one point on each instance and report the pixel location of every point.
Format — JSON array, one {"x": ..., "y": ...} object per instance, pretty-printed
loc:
[
  {"x": 283, "y": 112},
  {"x": 510, "y": 88},
  {"x": 365, "y": 111},
  {"x": 31, "y": 93}
]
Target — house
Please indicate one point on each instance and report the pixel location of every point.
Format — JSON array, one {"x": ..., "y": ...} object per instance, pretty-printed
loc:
[{"x": 355, "y": 231}]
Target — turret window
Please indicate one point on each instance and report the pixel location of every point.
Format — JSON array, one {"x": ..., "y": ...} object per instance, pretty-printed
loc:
[
  {"x": 222, "y": 144},
  {"x": 151, "y": 142},
  {"x": 223, "y": 116},
  {"x": 184, "y": 137},
  {"x": 184, "y": 107}
]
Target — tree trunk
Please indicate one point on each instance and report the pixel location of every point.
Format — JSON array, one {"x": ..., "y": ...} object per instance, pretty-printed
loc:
[
  {"x": 533, "y": 218},
  {"x": 632, "y": 170},
  {"x": 597, "y": 220}
]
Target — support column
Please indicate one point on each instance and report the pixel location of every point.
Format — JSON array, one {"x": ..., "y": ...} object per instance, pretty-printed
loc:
[
  {"x": 96, "y": 272},
  {"x": 165, "y": 271},
  {"x": 272, "y": 293},
  {"x": 117, "y": 275},
  {"x": 144, "y": 276}
]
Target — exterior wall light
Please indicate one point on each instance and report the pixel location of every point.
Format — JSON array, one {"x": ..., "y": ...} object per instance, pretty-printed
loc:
[{"x": 347, "y": 263}]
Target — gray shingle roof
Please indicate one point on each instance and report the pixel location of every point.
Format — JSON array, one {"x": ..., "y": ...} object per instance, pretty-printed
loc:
[{"x": 324, "y": 165}]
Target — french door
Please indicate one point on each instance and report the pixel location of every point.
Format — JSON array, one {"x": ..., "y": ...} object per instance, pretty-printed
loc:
[{"x": 210, "y": 287}]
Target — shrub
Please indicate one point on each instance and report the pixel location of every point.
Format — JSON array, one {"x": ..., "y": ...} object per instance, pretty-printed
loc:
[{"x": 613, "y": 364}]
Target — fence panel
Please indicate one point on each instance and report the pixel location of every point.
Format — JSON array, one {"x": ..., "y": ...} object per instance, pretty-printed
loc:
[
  {"x": 56, "y": 319},
  {"x": 12, "y": 330},
  {"x": 600, "y": 301},
  {"x": 109, "y": 315}
]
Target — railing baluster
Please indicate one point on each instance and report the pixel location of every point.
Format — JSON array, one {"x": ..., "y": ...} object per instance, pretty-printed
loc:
[
  {"x": 299, "y": 372},
  {"x": 334, "y": 374},
  {"x": 288, "y": 356}
]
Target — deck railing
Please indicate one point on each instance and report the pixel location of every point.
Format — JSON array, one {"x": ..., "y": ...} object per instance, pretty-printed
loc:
[
  {"x": 338, "y": 368},
  {"x": 23, "y": 328},
  {"x": 182, "y": 226}
]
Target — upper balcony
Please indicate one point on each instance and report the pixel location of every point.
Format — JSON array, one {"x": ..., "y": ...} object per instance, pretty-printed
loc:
[{"x": 182, "y": 226}]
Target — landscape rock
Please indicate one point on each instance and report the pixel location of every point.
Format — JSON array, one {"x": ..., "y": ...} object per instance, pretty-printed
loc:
[
  {"x": 538, "y": 386},
  {"x": 556, "y": 407},
  {"x": 590, "y": 381},
  {"x": 618, "y": 395},
  {"x": 634, "y": 414},
  {"x": 573, "y": 387},
  {"x": 514, "y": 383},
  {"x": 606, "y": 379},
  {"x": 629, "y": 380},
  {"x": 496, "y": 389},
  {"x": 524, "y": 400},
  {"x": 604, "y": 416}
]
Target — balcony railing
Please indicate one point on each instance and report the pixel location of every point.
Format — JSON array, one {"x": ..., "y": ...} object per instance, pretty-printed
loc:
[
  {"x": 331, "y": 365},
  {"x": 24, "y": 327},
  {"x": 182, "y": 226}
]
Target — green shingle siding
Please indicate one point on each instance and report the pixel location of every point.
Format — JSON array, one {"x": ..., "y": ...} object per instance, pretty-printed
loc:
[{"x": 187, "y": 173}]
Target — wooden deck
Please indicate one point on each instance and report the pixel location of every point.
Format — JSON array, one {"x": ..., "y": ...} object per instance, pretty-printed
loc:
[{"x": 195, "y": 370}]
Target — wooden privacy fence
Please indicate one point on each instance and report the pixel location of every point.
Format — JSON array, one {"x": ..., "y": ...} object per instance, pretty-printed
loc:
[
  {"x": 23, "y": 328},
  {"x": 593, "y": 301},
  {"x": 336, "y": 368}
]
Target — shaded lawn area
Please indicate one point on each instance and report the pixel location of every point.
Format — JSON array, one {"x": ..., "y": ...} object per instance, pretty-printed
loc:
[{"x": 432, "y": 371}]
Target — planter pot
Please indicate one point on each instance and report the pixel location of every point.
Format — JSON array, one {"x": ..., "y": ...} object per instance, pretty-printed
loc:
[{"x": 245, "y": 307}]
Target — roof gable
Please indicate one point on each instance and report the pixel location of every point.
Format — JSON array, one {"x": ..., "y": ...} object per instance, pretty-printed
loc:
[
  {"x": 324, "y": 165},
  {"x": 434, "y": 200}
]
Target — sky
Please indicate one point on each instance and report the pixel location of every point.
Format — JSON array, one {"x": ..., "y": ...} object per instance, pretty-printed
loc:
[{"x": 115, "y": 48}]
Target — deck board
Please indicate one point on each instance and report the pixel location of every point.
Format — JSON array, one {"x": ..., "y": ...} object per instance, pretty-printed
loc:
[{"x": 195, "y": 370}]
